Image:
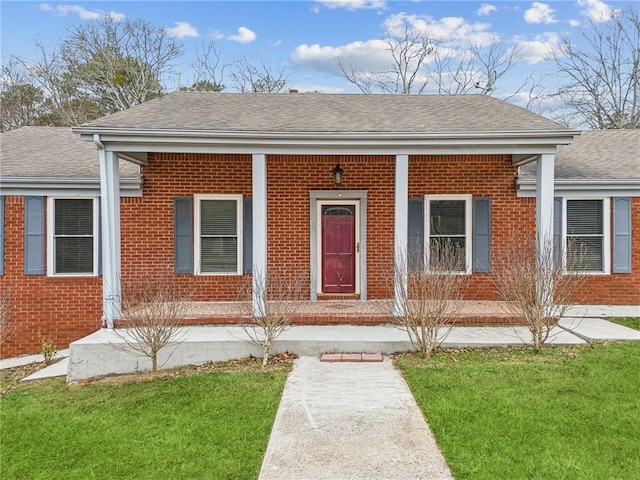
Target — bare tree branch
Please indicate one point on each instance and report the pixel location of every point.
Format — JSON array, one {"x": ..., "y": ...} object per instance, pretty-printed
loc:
[
  {"x": 536, "y": 288},
  {"x": 278, "y": 297},
  {"x": 601, "y": 81},
  {"x": 153, "y": 311},
  {"x": 433, "y": 294},
  {"x": 258, "y": 77}
]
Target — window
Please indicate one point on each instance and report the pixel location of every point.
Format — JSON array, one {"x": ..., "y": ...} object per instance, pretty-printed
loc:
[
  {"x": 448, "y": 223},
  {"x": 586, "y": 232},
  {"x": 73, "y": 239},
  {"x": 218, "y": 239}
]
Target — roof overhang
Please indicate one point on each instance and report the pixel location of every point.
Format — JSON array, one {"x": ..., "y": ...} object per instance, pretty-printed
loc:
[
  {"x": 584, "y": 187},
  {"x": 65, "y": 186},
  {"x": 135, "y": 141}
]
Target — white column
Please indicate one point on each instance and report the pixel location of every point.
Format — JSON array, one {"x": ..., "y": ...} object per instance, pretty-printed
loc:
[
  {"x": 110, "y": 205},
  {"x": 259, "y": 186},
  {"x": 401, "y": 214},
  {"x": 544, "y": 201}
]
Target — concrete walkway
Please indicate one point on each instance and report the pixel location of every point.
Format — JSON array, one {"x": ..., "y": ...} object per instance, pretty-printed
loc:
[{"x": 347, "y": 420}]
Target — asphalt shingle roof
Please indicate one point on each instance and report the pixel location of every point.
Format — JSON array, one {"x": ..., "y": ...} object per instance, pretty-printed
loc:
[
  {"x": 597, "y": 154},
  {"x": 327, "y": 113},
  {"x": 51, "y": 152}
]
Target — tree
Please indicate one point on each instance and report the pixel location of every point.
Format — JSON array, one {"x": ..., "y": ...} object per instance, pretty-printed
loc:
[
  {"x": 272, "y": 303},
  {"x": 153, "y": 311},
  {"x": 409, "y": 56},
  {"x": 533, "y": 283},
  {"x": 62, "y": 102},
  {"x": 419, "y": 64},
  {"x": 22, "y": 103},
  {"x": 260, "y": 77},
  {"x": 209, "y": 69},
  {"x": 600, "y": 85},
  {"x": 121, "y": 63},
  {"x": 432, "y": 295}
]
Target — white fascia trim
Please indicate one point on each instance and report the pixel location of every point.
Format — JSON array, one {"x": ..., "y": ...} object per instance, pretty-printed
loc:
[
  {"x": 65, "y": 186},
  {"x": 585, "y": 188},
  {"x": 187, "y": 141}
]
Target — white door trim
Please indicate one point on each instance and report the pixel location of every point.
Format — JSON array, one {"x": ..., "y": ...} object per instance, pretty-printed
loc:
[
  {"x": 319, "y": 205},
  {"x": 340, "y": 197}
]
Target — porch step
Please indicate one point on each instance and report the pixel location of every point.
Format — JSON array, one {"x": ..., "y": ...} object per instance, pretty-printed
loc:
[
  {"x": 345, "y": 312},
  {"x": 351, "y": 357}
]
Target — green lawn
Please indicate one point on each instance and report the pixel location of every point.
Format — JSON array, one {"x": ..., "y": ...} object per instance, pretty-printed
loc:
[
  {"x": 566, "y": 413},
  {"x": 631, "y": 322},
  {"x": 203, "y": 426}
]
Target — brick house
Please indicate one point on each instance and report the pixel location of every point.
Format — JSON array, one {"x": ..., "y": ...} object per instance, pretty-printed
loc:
[{"x": 212, "y": 187}]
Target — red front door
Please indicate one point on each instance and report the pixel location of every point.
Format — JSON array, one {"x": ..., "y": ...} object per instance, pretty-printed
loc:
[{"x": 338, "y": 249}]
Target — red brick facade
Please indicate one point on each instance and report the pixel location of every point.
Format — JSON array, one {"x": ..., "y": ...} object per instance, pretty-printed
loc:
[
  {"x": 64, "y": 309},
  {"x": 60, "y": 309}
]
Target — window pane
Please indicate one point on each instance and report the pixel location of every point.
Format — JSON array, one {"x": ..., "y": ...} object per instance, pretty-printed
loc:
[
  {"x": 447, "y": 254},
  {"x": 447, "y": 217},
  {"x": 585, "y": 254},
  {"x": 584, "y": 217},
  {"x": 218, "y": 217},
  {"x": 74, "y": 217},
  {"x": 74, "y": 255},
  {"x": 219, "y": 255}
]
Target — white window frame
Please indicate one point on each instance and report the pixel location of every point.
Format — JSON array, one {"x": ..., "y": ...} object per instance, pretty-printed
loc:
[
  {"x": 606, "y": 234},
  {"x": 239, "y": 232},
  {"x": 468, "y": 228},
  {"x": 51, "y": 254}
]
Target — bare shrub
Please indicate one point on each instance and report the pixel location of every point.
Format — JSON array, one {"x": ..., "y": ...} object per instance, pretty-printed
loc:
[
  {"x": 532, "y": 281},
  {"x": 433, "y": 294},
  {"x": 5, "y": 306},
  {"x": 48, "y": 349},
  {"x": 271, "y": 304},
  {"x": 153, "y": 312}
]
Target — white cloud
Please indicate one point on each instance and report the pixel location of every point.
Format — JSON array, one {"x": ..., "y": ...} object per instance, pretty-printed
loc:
[
  {"x": 354, "y": 4},
  {"x": 449, "y": 29},
  {"x": 83, "y": 13},
  {"x": 371, "y": 55},
  {"x": 574, "y": 23},
  {"x": 539, "y": 13},
  {"x": 595, "y": 10},
  {"x": 486, "y": 9},
  {"x": 536, "y": 50},
  {"x": 182, "y": 30},
  {"x": 216, "y": 35},
  {"x": 244, "y": 35}
]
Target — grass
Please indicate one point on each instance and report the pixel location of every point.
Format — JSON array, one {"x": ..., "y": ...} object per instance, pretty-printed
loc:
[
  {"x": 631, "y": 322},
  {"x": 565, "y": 413},
  {"x": 213, "y": 424}
]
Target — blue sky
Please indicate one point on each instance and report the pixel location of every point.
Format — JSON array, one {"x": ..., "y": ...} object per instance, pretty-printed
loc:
[{"x": 310, "y": 37}]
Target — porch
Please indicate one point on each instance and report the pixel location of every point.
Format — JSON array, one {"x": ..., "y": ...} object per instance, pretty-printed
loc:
[
  {"x": 344, "y": 312},
  {"x": 98, "y": 354}
]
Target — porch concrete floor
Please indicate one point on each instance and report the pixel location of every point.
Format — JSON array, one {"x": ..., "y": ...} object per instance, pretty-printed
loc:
[{"x": 101, "y": 354}]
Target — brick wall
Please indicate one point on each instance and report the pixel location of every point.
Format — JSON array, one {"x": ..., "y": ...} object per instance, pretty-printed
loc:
[
  {"x": 59, "y": 309},
  {"x": 492, "y": 176},
  {"x": 65, "y": 309}
]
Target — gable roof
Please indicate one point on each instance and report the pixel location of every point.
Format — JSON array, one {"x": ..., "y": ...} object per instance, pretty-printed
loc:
[{"x": 328, "y": 113}]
